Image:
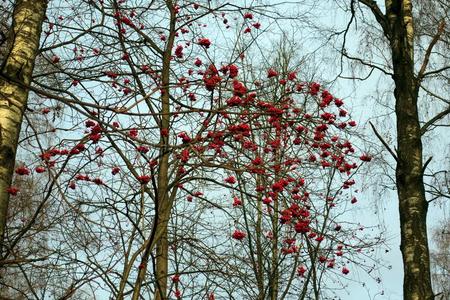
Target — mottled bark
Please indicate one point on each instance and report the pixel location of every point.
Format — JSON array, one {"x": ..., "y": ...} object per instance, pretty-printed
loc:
[
  {"x": 409, "y": 174},
  {"x": 15, "y": 75},
  {"x": 397, "y": 24}
]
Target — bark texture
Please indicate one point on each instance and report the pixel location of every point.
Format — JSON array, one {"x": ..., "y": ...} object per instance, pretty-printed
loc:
[
  {"x": 15, "y": 75},
  {"x": 397, "y": 25},
  {"x": 409, "y": 174}
]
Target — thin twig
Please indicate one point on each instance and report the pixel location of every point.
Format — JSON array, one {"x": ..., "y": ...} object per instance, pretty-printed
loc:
[
  {"x": 435, "y": 39},
  {"x": 383, "y": 142},
  {"x": 426, "y": 164},
  {"x": 434, "y": 120}
]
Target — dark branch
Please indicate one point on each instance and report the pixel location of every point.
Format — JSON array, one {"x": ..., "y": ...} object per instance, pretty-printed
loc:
[
  {"x": 383, "y": 142},
  {"x": 378, "y": 14},
  {"x": 435, "y": 39},
  {"x": 434, "y": 120}
]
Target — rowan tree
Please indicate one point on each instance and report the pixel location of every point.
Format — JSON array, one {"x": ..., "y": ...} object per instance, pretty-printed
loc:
[
  {"x": 128, "y": 98},
  {"x": 291, "y": 190},
  {"x": 285, "y": 157}
]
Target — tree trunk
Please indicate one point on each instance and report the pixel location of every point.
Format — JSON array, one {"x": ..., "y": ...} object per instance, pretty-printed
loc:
[
  {"x": 162, "y": 266},
  {"x": 274, "y": 266},
  {"x": 164, "y": 199},
  {"x": 259, "y": 272},
  {"x": 15, "y": 75},
  {"x": 409, "y": 174}
]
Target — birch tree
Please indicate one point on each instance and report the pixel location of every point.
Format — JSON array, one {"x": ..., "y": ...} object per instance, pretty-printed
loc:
[
  {"x": 15, "y": 77},
  {"x": 416, "y": 43}
]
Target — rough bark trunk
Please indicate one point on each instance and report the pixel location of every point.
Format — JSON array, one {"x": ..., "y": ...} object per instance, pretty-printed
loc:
[
  {"x": 15, "y": 75},
  {"x": 409, "y": 174}
]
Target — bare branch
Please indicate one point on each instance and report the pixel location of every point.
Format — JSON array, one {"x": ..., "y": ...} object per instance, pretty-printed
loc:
[
  {"x": 426, "y": 163},
  {"x": 433, "y": 120},
  {"x": 436, "y": 71},
  {"x": 383, "y": 142},
  {"x": 430, "y": 48},
  {"x": 366, "y": 63},
  {"x": 378, "y": 14}
]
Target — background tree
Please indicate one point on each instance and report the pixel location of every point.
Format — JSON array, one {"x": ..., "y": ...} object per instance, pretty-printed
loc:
[
  {"x": 292, "y": 175},
  {"x": 440, "y": 260},
  {"x": 281, "y": 147}
]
